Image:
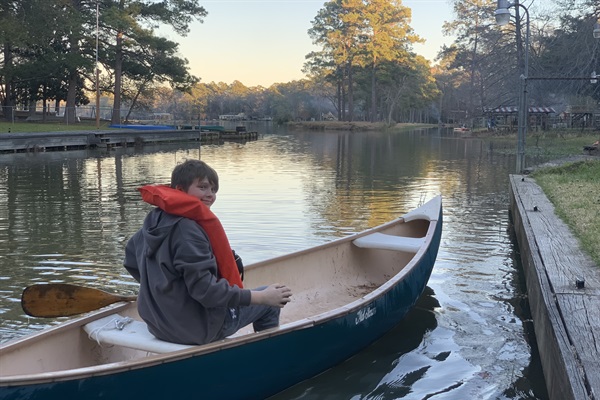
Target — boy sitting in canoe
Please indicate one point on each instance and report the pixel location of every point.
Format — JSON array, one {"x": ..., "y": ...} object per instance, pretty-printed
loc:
[{"x": 190, "y": 287}]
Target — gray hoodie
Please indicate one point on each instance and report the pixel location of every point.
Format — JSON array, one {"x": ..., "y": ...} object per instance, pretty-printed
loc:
[{"x": 180, "y": 297}]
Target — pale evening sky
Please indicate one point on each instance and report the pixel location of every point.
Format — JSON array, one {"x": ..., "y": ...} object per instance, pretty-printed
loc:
[{"x": 261, "y": 42}]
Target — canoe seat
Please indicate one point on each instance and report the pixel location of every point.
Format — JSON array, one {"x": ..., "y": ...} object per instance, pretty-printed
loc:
[
  {"x": 390, "y": 242},
  {"x": 128, "y": 332}
]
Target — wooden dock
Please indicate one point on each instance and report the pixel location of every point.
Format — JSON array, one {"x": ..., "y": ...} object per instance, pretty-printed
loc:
[
  {"x": 563, "y": 285},
  {"x": 72, "y": 140}
]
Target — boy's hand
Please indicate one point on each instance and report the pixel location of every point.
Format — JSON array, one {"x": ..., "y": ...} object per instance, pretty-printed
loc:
[{"x": 275, "y": 295}]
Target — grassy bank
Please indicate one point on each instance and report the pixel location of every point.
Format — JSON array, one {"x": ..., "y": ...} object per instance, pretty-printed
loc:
[
  {"x": 574, "y": 190},
  {"x": 22, "y": 126},
  {"x": 573, "y": 187},
  {"x": 352, "y": 126},
  {"x": 547, "y": 145}
]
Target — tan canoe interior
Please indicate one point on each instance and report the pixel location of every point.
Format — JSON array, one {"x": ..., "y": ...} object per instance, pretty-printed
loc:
[{"x": 322, "y": 279}]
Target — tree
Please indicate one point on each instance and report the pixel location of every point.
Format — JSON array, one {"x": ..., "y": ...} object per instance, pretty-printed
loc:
[
  {"x": 356, "y": 35},
  {"x": 124, "y": 21},
  {"x": 449, "y": 79},
  {"x": 407, "y": 86},
  {"x": 571, "y": 51},
  {"x": 37, "y": 56},
  {"x": 76, "y": 59},
  {"x": 475, "y": 41},
  {"x": 337, "y": 29},
  {"x": 12, "y": 37},
  {"x": 155, "y": 63},
  {"x": 387, "y": 37}
]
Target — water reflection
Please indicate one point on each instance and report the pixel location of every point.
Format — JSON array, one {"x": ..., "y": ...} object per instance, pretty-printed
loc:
[
  {"x": 390, "y": 373},
  {"x": 65, "y": 217}
]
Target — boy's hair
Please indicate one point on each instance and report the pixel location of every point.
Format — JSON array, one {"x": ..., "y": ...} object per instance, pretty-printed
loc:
[{"x": 185, "y": 173}]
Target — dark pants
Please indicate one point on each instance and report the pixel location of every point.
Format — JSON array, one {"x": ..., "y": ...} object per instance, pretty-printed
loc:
[{"x": 260, "y": 316}]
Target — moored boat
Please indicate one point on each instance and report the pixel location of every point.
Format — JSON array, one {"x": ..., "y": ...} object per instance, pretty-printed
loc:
[
  {"x": 347, "y": 294},
  {"x": 462, "y": 129}
]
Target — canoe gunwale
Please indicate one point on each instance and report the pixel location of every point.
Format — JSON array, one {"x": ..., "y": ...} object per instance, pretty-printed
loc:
[
  {"x": 195, "y": 351},
  {"x": 150, "y": 360},
  {"x": 431, "y": 212}
]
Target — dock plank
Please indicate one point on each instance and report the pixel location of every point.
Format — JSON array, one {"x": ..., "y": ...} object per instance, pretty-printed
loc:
[
  {"x": 564, "y": 261},
  {"x": 70, "y": 140},
  {"x": 581, "y": 315},
  {"x": 566, "y": 318}
]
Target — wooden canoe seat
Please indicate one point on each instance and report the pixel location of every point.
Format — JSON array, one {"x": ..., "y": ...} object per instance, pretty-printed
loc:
[
  {"x": 390, "y": 242},
  {"x": 127, "y": 332}
]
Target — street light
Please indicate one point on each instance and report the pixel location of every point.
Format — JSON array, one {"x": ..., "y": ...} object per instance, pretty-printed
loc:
[
  {"x": 97, "y": 68},
  {"x": 502, "y": 18},
  {"x": 502, "y": 14}
]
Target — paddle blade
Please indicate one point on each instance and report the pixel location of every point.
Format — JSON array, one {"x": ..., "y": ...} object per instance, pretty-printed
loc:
[{"x": 63, "y": 300}]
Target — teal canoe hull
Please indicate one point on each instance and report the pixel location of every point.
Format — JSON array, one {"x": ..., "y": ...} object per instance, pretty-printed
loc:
[{"x": 257, "y": 369}]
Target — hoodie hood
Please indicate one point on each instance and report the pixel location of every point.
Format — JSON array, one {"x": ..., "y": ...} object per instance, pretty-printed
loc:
[
  {"x": 178, "y": 203},
  {"x": 156, "y": 228}
]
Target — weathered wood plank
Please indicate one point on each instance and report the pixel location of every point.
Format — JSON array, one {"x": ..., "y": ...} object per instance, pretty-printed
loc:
[
  {"x": 41, "y": 141},
  {"x": 581, "y": 314},
  {"x": 561, "y": 373},
  {"x": 563, "y": 259},
  {"x": 566, "y": 319}
]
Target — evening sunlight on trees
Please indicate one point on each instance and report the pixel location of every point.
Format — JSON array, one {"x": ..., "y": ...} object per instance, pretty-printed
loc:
[{"x": 364, "y": 67}]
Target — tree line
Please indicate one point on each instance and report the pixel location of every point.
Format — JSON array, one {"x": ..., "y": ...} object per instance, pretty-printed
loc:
[
  {"x": 365, "y": 68},
  {"x": 484, "y": 67},
  {"x": 50, "y": 49}
]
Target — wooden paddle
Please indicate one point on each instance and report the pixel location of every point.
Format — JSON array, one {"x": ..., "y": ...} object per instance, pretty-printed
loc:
[{"x": 63, "y": 300}]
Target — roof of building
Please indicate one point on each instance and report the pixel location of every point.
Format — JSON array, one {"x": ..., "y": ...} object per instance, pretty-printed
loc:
[{"x": 515, "y": 109}]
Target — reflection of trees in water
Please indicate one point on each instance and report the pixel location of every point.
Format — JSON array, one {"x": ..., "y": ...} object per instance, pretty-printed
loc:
[{"x": 368, "y": 178}]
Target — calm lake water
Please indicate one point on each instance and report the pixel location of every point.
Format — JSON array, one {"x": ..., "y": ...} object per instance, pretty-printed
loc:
[{"x": 66, "y": 216}]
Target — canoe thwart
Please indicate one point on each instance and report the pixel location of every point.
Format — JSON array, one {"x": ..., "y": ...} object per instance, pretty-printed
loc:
[
  {"x": 390, "y": 242},
  {"x": 127, "y": 332}
]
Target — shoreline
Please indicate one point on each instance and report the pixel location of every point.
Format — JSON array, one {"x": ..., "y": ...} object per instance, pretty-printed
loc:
[{"x": 354, "y": 125}]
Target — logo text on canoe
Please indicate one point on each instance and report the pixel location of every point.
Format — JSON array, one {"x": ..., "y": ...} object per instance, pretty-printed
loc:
[{"x": 365, "y": 314}]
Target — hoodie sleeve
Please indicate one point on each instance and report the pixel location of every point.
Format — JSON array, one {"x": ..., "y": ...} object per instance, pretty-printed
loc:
[
  {"x": 130, "y": 262},
  {"x": 194, "y": 260}
]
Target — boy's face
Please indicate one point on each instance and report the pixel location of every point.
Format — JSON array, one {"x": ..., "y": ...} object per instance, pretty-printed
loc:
[{"x": 203, "y": 191}]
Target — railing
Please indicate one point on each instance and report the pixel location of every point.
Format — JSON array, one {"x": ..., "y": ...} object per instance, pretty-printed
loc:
[
  {"x": 80, "y": 113},
  {"x": 63, "y": 114}
]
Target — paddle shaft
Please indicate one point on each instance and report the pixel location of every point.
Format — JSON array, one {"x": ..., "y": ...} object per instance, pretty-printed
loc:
[{"x": 62, "y": 300}]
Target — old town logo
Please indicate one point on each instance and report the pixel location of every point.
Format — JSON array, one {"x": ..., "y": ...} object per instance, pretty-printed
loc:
[{"x": 365, "y": 314}]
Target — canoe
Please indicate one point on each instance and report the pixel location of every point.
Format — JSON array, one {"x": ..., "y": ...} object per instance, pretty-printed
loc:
[
  {"x": 462, "y": 129},
  {"x": 347, "y": 294},
  {"x": 144, "y": 127}
]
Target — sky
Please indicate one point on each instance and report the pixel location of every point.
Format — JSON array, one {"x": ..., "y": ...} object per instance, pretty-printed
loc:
[{"x": 261, "y": 42}]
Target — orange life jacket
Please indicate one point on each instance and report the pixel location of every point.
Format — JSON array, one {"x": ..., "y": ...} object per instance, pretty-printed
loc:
[{"x": 179, "y": 203}]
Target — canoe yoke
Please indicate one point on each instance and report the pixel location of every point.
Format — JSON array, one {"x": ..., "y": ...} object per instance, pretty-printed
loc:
[
  {"x": 390, "y": 242},
  {"x": 127, "y": 332}
]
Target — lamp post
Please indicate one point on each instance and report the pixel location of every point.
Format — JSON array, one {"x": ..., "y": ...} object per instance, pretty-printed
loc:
[
  {"x": 502, "y": 18},
  {"x": 97, "y": 69}
]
